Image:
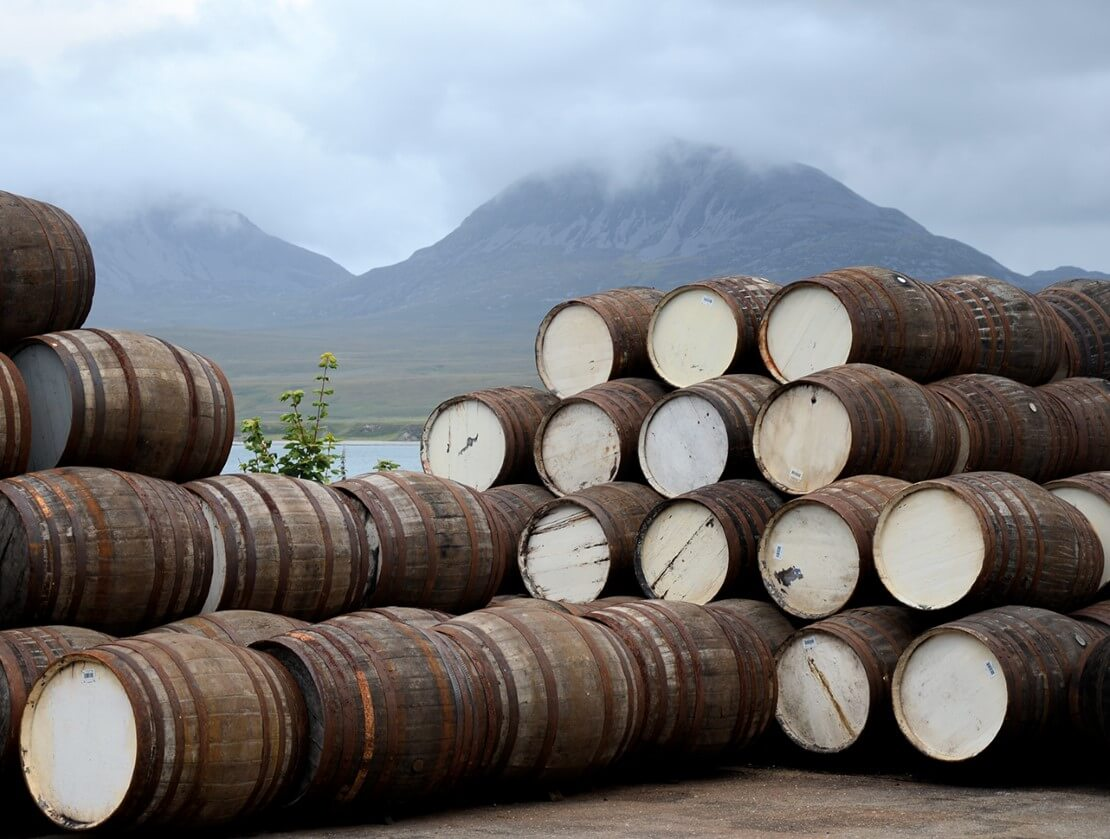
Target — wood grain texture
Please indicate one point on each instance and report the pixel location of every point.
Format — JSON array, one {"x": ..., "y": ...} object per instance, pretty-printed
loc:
[
  {"x": 509, "y": 509},
  {"x": 770, "y": 625},
  {"x": 1090, "y": 495},
  {"x": 15, "y": 420},
  {"x": 241, "y": 627},
  {"x": 1086, "y": 403},
  {"x": 1083, "y": 307}
]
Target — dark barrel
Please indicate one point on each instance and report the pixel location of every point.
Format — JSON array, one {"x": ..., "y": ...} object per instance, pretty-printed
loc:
[
  {"x": 1083, "y": 307},
  {"x": 509, "y": 508},
  {"x": 241, "y": 627}
]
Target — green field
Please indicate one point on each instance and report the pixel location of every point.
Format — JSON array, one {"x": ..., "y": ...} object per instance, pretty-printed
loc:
[{"x": 391, "y": 375}]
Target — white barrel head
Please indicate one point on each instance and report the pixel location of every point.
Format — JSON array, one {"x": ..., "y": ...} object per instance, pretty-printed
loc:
[{"x": 693, "y": 336}]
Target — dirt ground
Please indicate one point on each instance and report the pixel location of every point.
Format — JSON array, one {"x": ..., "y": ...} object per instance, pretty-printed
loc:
[{"x": 744, "y": 801}]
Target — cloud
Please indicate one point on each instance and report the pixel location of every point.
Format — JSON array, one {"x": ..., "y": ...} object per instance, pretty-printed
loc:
[{"x": 367, "y": 130}]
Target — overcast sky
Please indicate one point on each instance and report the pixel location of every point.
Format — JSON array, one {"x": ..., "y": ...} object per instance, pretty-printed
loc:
[{"x": 365, "y": 130}]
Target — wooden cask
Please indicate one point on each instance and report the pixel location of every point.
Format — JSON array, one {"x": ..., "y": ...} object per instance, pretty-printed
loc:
[
  {"x": 1090, "y": 494},
  {"x": 432, "y": 539},
  {"x": 1086, "y": 402},
  {"x": 412, "y": 615},
  {"x": 705, "y": 329},
  {"x": 1090, "y": 694},
  {"x": 241, "y": 627},
  {"x": 591, "y": 438},
  {"x": 509, "y": 509},
  {"x": 1007, "y": 426},
  {"x": 986, "y": 538},
  {"x": 989, "y": 681},
  {"x": 770, "y": 625},
  {"x": 1006, "y": 331},
  {"x": 125, "y": 401},
  {"x": 568, "y": 696},
  {"x": 24, "y": 656},
  {"x": 283, "y": 545},
  {"x": 15, "y": 420},
  {"x": 394, "y": 713},
  {"x": 1097, "y": 614},
  {"x": 705, "y": 691},
  {"x": 46, "y": 269},
  {"x": 589, "y": 340},
  {"x": 166, "y": 730},
  {"x": 834, "y": 676},
  {"x": 100, "y": 548},
  {"x": 815, "y": 554},
  {"x": 485, "y": 437},
  {"x": 862, "y": 315},
  {"x": 702, "y": 434},
  {"x": 583, "y": 609},
  {"x": 853, "y": 420},
  {"x": 703, "y": 544},
  {"x": 1083, "y": 307},
  {"x": 582, "y": 546}
]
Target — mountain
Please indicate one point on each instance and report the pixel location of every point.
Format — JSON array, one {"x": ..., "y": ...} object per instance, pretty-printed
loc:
[
  {"x": 191, "y": 264},
  {"x": 1065, "y": 272}
]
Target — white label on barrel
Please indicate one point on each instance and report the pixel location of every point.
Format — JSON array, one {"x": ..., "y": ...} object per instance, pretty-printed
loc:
[
  {"x": 796, "y": 474},
  {"x": 991, "y": 670},
  {"x": 707, "y": 300},
  {"x": 88, "y": 675},
  {"x": 778, "y": 551},
  {"x": 809, "y": 643}
]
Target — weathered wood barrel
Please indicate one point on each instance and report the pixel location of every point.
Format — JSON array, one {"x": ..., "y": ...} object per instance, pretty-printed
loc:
[
  {"x": 46, "y": 269},
  {"x": 394, "y": 712},
  {"x": 283, "y": 545},
  {"x": 768, "y": 623},
  {"x": 1087, "y": 402},
  {"x": 100, "y": 548},
  {"x": 703, "y": 433},
  {"x": 161, "y": 730},
  {"x": 867, "y": 315},
  {"x": 509, "y": 509},
  {"x": 703, "y": 544},
  {"x": 125, "y": 401},
  {"x": 241, "y": 627},
  {"x": 834, "y": 676},
  {"x": 591, "y": 438},
  {"x": 986, "y": 538},
  {"x": 1007, "y": 426},
  {"x": 1090, "y": 494},
  {"x": 993, "y": 680},
  {"x": 1006, "y": 331},
  {"x": 815, "y": 555},
  {"x": 15, "y": 420},
  {"x": 1083, "y": 307},
  {"x": 432, "y": 538},
  {"x": 485, "y": 437},
  {"x": 24, "y": 656},
  {"x": 568, "y": 696},
  {"x": 1096, "y": 614},
  {"x": 582, "y": 546},
  {"x": 583, "y": 609},
  {"x": 853, "y": 420},
  {"x": 412, "y": 615},
  {"x": 705, "y": 329},
  {"x": 1090, "y": 693},
  {"x": 706, "y": 688},
  {"x": 589, "y": 340}
]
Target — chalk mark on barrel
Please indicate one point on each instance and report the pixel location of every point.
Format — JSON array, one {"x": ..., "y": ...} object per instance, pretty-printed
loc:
[
  {"x": 789, "y": 575},
  {"x": 470, "y": 441},
  {"x": 828, "y": 692}
]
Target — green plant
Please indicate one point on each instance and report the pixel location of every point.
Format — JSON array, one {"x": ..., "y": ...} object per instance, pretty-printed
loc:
[
  {"x": 310, "y": 449},
  {"x": 386, "y": 466}
]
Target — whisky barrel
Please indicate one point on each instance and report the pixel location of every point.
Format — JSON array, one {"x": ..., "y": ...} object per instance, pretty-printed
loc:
[
  {"x": 1007, "y": 426},
  {"x": 703, "y": 544},
  {"x": 993, "y": 680},
  {"x": 1006, "y": 331},
  {"x": 705, "y": 329},
  {"x": 589, "y": 340},
  {"x": 1083, "y": 307},
  {"x": 583, "y": 609},
  {"x": 394, "y": 712},
  {"x": 283, "y": 545},
  {"x": 100, "y": 548},
  {"x": 432, "y": 538},
  {"x": 125, "y": 401},
  {"x": 1090, "y": 693},
  {"x": 581, "y": 546},
  {"x": 161, "y": 730},
  {"x": 509, "y": 508},
  {"x": 703, "y": 433},
  {"x": 412, "y": 615},
  {"x": 860, "y": 315},
  {"x": 485, "y": 437},
  {"x": 770, "y": 625},
  {"x": 568, "y": 696},
  {"x": 24, "y": 656},
  {"x": 1097, "y": 614},
  {"x": 986, "y": 538},
  {"x": 815, "y": 554},
  {"x": 853, "y": 420},
  {"x": 1090, "y": 494},
  {"x": 1086, "y": 401},
  {"x": 591, "y": 438},
  {"x": 241, "y": 627},
  {"x": 46, "y": 269},
  {"x": 834, "y": 676},
  {"x": 15, "y": 420},
  {"x": 706, "y": 690}
]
